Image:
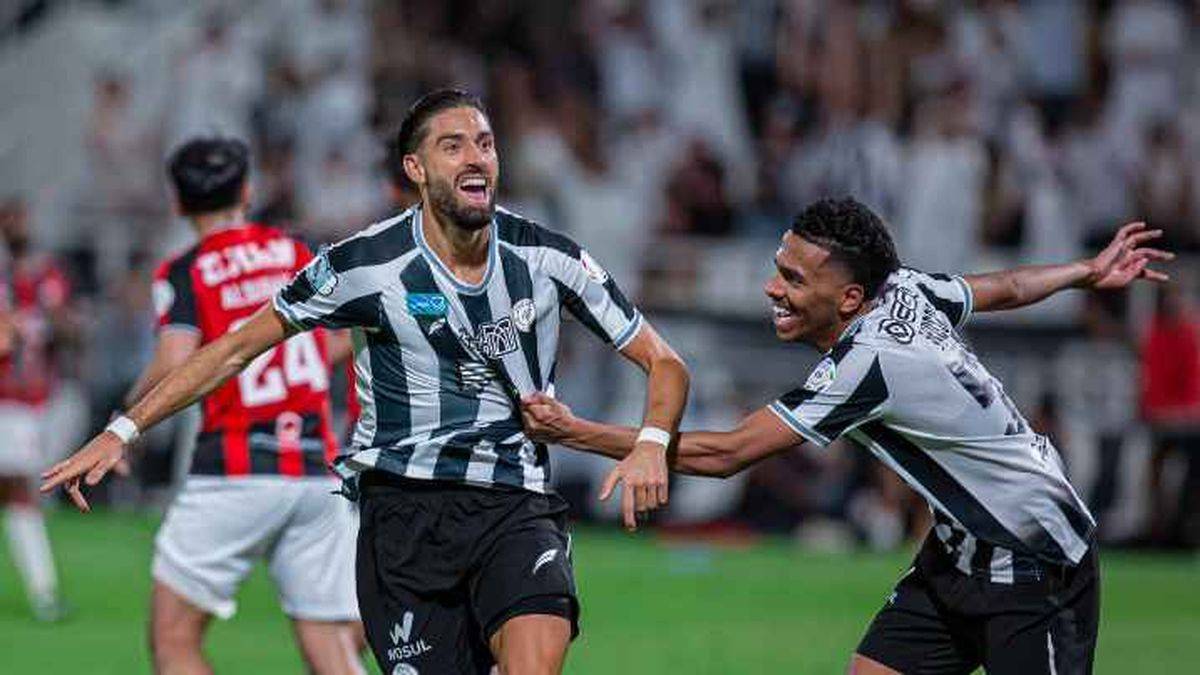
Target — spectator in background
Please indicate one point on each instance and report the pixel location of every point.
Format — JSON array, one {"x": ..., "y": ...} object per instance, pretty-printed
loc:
[
  {"x": 1170, "y": 404},
  {"x": 1164, "y": 187},
  {"x": 1095, "y": 379}
]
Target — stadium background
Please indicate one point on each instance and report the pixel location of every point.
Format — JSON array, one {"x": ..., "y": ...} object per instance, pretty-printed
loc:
[{"x": 673, "y": 138}]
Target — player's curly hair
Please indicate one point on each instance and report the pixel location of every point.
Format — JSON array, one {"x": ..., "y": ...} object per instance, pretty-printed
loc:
[
  {"x": 208, "y": 173},
  {"x": 854, "y": 236}
]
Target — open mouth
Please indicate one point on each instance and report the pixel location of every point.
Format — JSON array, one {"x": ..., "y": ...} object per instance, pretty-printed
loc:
[
  {"x": 783, "y": 318},
  {"x": 474, "y": 189}
]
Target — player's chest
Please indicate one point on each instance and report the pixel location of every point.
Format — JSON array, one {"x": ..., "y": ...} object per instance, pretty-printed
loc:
[{"x": 481, "y": 326}]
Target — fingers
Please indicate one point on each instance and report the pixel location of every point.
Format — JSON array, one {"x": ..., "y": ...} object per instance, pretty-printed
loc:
[
  {"x": 99, "y": 470},
  {"x": 1155, "y": 275},
  {"x": 1128, "y": 229},
  {"x": 628, "y": 512},
  {"x": 641, "y": 497},
  {"x": 610, "y": 482},
  {"x": 1139, "y": 238},
  {"x": 57, "y": 475},
  {"x": 662, "y": 490},
  {"x": 76, "y": 494}
]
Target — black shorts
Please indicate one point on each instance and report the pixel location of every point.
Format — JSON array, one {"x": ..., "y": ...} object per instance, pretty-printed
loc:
[
  {"x": 939, "y": 620},
  {"x": 441, "y": 566}
]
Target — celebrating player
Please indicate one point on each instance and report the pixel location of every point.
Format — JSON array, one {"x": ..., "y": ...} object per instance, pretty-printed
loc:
[
  {"x": 259, "y": 485},
  {"x": 1008, "y": 578},
  {"x": 463, "y": 555},
  {"x": 36, "y": 320}
]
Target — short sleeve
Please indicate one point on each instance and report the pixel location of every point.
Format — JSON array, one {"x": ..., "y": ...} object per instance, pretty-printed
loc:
[
  {"x": 591, "y": 295},
  {"x": 844, "y": 390},
  {"x": 174, "y": 301},
  {"x": 331, "y": 291},
  {"x": 949, "y": 294}
]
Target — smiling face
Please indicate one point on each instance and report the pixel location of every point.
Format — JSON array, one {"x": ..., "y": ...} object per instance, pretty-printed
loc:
[
  {"x": 813, "y": 296},
  {"x": 456, "y": 167}
]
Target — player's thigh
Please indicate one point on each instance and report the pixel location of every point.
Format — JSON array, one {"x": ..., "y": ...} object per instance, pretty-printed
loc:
[
  {"x": 312, "y": 561},
  {"x": 913, "y": 634},
  {"x": 1048, "y": 634},
  {"x": 528, "y": 572},
  {"x": 213, "y": 533},
  {"x": 410, "y": 628},
  {"x": 21, "y": 455}
]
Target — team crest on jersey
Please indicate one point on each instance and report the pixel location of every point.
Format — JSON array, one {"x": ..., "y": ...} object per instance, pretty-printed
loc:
[
  {"x": 163, "y": 296},
  {"x": 822, "y": 376},
  {"x": 427, "y": 304},
  {"x": 321, "y": 275},
  {"x": 593, "y": 268},
  {"x": 523, "y": 314}
]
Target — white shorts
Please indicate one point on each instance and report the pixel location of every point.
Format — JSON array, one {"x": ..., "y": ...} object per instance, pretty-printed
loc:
[
  {"x": 218, "y": 527},
  {"x": 20, "y": 432}
]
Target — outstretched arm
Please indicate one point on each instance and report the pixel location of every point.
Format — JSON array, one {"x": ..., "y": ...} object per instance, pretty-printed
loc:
[
  {"x": 1124, "y": 260},
  {"x": 701, "y": 453},
  {"x": 203, "y": 372}
]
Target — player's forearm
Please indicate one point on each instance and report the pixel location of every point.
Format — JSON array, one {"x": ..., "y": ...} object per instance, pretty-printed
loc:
[
  {"x": 666, "y": 393},
  {"x": 206, "y": 370},
  {"x": 700, "y": 453},
  {"x": 1021, "y": 286}
]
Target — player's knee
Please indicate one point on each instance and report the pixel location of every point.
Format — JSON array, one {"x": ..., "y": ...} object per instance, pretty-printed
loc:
[
  {"x": 861, "y": 665},
  {"x": 533, "y": 644}
]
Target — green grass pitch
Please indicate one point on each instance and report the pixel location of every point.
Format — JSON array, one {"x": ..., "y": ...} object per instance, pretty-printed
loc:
[{"x": 647, "y": 608}]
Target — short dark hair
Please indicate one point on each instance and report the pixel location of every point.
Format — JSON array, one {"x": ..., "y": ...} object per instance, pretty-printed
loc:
[
  {"x": 209, "y": 173},
  {"x": 854, "y": 236},
  {"x": 413, "y": 128}
]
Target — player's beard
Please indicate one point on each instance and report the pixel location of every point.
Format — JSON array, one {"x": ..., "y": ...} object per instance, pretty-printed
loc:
[{"x": 445, "y": 202}]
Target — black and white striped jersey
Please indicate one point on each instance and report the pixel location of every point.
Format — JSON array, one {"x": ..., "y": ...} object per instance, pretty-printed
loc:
[
  {"x": 440, "y": 365},
  {"x": 901, "y": 383}
]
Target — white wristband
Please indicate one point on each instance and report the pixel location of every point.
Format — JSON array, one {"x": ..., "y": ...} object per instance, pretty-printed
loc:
[
  {"x": 125, "y": 429},
  {"x": 654, "y": 435}
]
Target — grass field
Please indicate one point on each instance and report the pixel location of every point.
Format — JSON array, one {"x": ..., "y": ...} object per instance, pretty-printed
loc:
[{"x": 648, "y": 608}]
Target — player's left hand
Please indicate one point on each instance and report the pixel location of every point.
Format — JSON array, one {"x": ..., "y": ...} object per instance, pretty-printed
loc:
[
  {"x": 644, "y": 474},
  {"x": 89, "y": 465},
  {"x": 546, "y": 419},
  {"x": 1126, "y": 258}
]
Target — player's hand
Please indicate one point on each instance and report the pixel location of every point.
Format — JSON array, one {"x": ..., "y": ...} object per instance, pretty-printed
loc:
[
  {"x": 89, "y": 466},
  {"x": 1126, "y": 258},
  {"x": 546, "y": 420},
  {"x": 644, "y": 474}
]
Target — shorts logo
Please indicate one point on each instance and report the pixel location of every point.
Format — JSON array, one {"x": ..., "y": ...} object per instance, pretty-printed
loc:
[
  {"x": 402, "y": 631},
  {"x": 404, "y": 669},
  {"x": 321, "y": 275},
  {"x": 427, "y": 304},
  {"x": 523, "y": 314},
  {"x": 593, "y": 268},
  {"x": 544, "y": 559}
]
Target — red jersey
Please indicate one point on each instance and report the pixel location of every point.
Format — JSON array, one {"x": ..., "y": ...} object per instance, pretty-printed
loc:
[
  {"x": 36, "y": 289},
  {"x": 274, "y": 417}
]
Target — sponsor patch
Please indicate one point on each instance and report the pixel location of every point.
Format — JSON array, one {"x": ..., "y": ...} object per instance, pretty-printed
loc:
[{"x": 427, "y": 304}]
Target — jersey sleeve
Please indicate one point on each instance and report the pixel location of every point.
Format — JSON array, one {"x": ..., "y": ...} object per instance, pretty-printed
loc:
[
  {"x": 591, "y": 295},
  {"x": 949, "y": 294},
  {"x": 844, "y": 390},
  {"x": 174, "y": 301},
  {"x": 331, "y": 291}
]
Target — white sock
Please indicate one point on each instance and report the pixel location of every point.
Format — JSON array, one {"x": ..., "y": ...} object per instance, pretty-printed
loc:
[{"x": 31, "y": 550}]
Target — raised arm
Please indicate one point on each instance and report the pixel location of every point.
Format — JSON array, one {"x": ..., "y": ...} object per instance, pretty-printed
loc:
[
  {"x": 200, "y": 374},
  {"x": 700, "y": 453},
  {"x": 1124, "y": 260}
]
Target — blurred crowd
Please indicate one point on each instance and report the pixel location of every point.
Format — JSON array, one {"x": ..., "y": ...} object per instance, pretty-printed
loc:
[{"x": 674, "y": 138}]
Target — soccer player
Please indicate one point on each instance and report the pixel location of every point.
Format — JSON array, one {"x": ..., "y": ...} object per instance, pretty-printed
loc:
[
  {"x": 259, "y": 487},
  {"x": 37, "y": 319},
  {"x": 463, "y": 554},
  {"x": 1008, "y": 577}
]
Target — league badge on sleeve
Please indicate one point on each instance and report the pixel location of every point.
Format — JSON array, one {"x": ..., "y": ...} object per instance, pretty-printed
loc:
[
  {"x": 822, "y": 376},
  {"x": 321, "y": 275},
  {"x": 593, "y": 268}
]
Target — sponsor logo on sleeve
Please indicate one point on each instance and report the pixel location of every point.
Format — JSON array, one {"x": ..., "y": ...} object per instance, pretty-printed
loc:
[
  {"x": 822, "y": 376},
  {"x": 321, "y": 275}
]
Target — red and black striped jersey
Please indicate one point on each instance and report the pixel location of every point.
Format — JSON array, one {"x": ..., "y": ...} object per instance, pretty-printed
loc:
[
  {"x": 36, "y": 290},
  {"x": 274, "y": 417}
]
